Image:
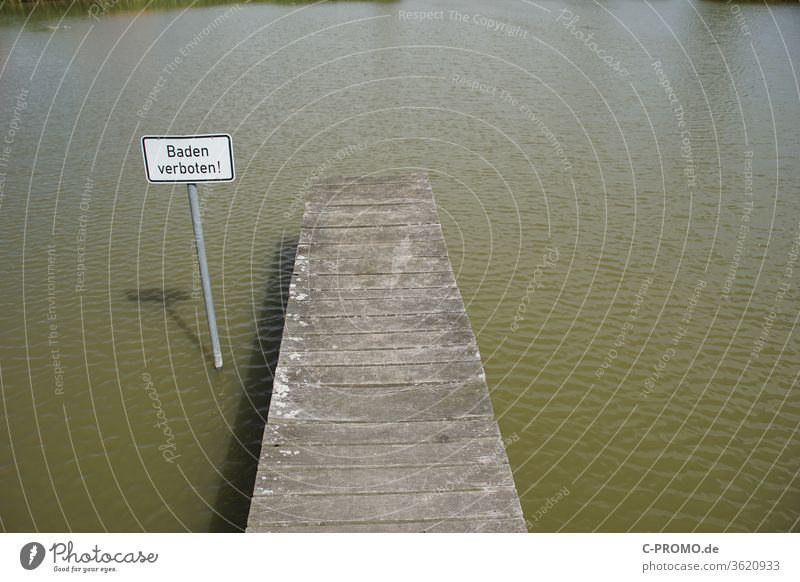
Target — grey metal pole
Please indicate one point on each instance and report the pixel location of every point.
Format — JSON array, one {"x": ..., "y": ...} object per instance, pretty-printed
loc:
[{"x": 201, "y": 257}]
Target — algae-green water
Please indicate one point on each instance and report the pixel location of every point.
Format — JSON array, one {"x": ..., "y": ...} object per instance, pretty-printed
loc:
[{"x": 618, "y": 184}]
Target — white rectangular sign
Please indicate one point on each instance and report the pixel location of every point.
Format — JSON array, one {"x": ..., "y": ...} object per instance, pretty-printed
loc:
[{"x": 188, "y": 158}]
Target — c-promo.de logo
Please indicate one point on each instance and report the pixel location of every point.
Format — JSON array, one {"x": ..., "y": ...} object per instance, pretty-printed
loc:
[{"x": 31, "y": 555}]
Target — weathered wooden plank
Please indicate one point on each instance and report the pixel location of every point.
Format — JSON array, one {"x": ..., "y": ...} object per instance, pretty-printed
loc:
[
  {"x": 425, "y": 248},
  {"x": 371, "y": 234},
  {"x": 389, "y": 265},
  {"x": 346, "y": 219},
  {"x": 394, "y": 281},
  {"x": 473, "y": 451},
  {"x": 297, "y": 325},
  {"x": 407, "y": 403},
  {"x": 390, "y": 374},
  {"x": 360, "y": 198},
  {"x": 390, "y": 355},
  {"x": 363, "y": 294},
  {"x": 367, "y": 341},
  {"x": 451, "y": 525},
  {"x": 299, "y": 433},
  {"x": 361, "y": 307},
  {"x": 497, "y": 503},
  {"x": 322, "y": 480},
  {"x": 412, "y": 392},
  {"x": 356, "y": 200},
  {"x": 401, "y": 179},
  {"x": 353, "y": 204}
]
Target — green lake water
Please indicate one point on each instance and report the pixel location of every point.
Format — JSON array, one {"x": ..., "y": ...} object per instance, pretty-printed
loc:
[{"x": 618, "y": 183}]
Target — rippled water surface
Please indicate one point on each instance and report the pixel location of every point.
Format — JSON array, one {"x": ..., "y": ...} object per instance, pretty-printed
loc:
[{"x": 619, "y": 189}]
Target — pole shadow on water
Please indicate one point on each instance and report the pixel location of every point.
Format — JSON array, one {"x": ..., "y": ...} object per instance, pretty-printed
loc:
[
  {"x": 241, "y": 462},
  {"x": 168, "y": 298}
]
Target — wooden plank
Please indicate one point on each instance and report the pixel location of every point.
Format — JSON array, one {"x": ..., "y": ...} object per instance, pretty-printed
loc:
[
  {"x": 436, "y": 373},
  {"x": 429, "y": 478},
  {"x": 391, "y": 355},
  {"x": 346, "y": 219},
  {"x": 426, "y": 248},
  {"x": 407, "y": 403},
  {"x": 371, "y": 234},
  {"x": 294, "y": 433},
  {"x": 497, "y": 503},
  {"x": 386, "y": 265},
  {"x": 297, "y": 325},
  {"x": 404, "y": 180},
  {"x": 473, "y": 451},
  {"x": 377, "y": 281},
  {"x": 451, "y": 525},
  {"x": 380, "y": 417},
  {"x": 364, "y": 198},
  {"x": 413, "y": 392},
  {"x": 368, "y": 341},
  {"x": 362, "y": 294},
  {"x": 361, "y": 307},
  {"x": 389, "y": 265},
  {"x": 355, "y": 204}
]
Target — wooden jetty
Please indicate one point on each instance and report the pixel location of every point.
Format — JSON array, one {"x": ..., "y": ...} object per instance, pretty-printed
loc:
[{"x": 380, "y": 419}]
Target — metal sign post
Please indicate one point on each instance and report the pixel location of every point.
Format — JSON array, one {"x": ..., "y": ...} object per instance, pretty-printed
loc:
[
  {"x": 197, "y": 223},
  {"x": 190, "y": 159}
]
